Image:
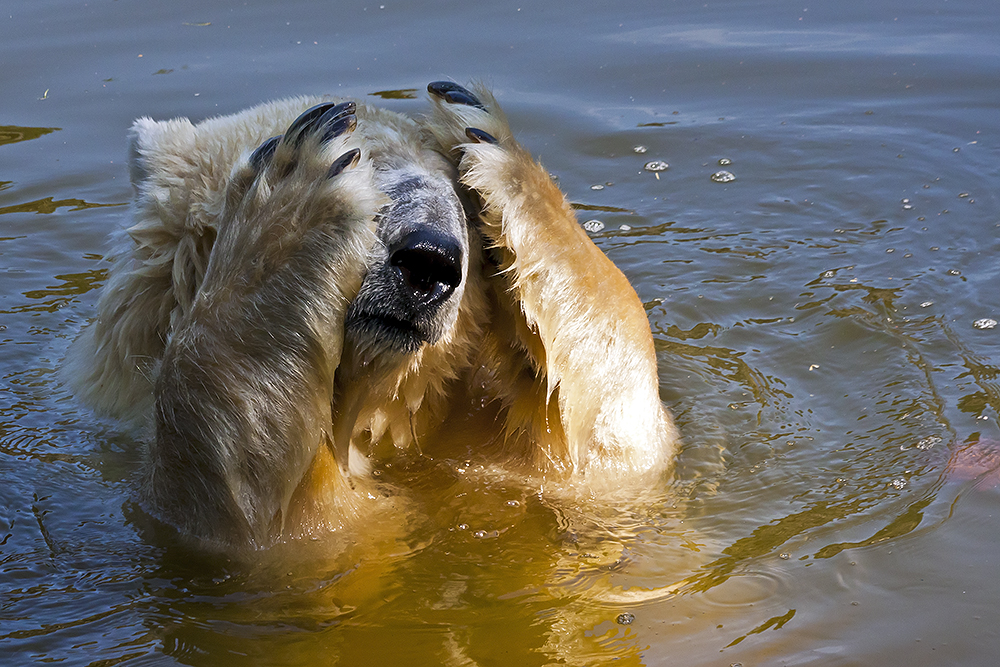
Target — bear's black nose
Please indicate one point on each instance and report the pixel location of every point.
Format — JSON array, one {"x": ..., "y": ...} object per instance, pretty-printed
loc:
[{"x": 429, "y": 265}]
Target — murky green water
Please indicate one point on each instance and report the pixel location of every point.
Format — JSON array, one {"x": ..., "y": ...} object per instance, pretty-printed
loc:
[{"x": 837, "y": 501}]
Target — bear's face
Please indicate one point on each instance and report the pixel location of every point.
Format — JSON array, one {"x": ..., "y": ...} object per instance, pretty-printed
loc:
[{"x": 418, "y": 270}]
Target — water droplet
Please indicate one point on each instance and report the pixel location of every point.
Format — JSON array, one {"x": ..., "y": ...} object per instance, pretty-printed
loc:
[
  {"x": 597, "y": 187},
  {"x": 723, "y": 177},
  {"x": 656, "y": 165},
  {"x": 593, "y": 226},
  {"x": 640, "y": 149},
  {"x": 985, "y": 323},
  {"x": 724, "y": 162},
  {"x": 625, "y": 619},
  {"x": 898, "y": 483},
  {"x": 927, "y": 304}
]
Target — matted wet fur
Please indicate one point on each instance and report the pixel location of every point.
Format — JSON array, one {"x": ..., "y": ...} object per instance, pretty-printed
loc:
[{"x": 282, "y": 311}]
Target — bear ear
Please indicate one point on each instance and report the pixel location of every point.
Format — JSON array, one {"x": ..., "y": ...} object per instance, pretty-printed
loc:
[{"x": 158, "y": 147}]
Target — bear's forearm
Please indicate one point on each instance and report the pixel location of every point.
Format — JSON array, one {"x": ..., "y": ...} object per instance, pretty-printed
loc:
[{"x": 240, "y": 410}]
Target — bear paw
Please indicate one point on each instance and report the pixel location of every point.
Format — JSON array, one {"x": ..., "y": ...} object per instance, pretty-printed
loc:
[
  {"x": 302, "y": 153},
  {"x": 457, "y": 109},
  {"x": 472, "y": 129},
  {"x": 302, "y": 194}
]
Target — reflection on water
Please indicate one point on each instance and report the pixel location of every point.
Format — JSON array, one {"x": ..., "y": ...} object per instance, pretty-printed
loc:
[
  {"x": 820, "y": 323},
  {"x": 11, "y": 134}
]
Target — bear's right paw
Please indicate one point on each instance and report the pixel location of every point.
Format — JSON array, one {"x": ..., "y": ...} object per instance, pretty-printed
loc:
[
  {"x": 301, "y": 198},
  {"x": 307, "y": 140},
  {"x": 295, "y": 181}
]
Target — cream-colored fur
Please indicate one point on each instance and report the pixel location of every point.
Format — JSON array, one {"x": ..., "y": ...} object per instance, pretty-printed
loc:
[{"x": 550, "y": 350}]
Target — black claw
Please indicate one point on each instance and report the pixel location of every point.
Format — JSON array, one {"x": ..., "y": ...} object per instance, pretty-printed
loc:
[
  {"x": 342, "y": 125},
  {"x": 348, "y": 159},
  {"x": 306, "y": 122},
  {"x": 338, "y": 120},
  {"x": 261, "y": 157},
  {"x": 479, "y": 136},
  {"x": 454, "y": 94}
]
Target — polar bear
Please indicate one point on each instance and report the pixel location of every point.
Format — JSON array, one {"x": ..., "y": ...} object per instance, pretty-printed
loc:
[{"x": 313, "y": 283}]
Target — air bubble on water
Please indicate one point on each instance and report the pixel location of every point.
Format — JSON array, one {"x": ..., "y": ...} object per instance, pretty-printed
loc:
[
  {"x": 597, "y": 187},
  {"x": 480, "y": 534},
  {"x": 907, "y": 207},
  {"x": 985, "y": 323},
  {"x": 656, "y": 165},
  {"x": 625, "y": 228},
  {"x": 593, "y": 226},
  {"x": 955, "y": 150},
  {"x": 723, "y": 177},
  {"x": 513, "y": 503},
  {"x": 963, "y": 195},
  {"x": 898, "y": 483},
  {"x": 640, "y": 149},
  {"x": 928, "y": 442},
  {"x": 954, "y": 272},
  {"x": 927, "y": 304},
  {"x": 784, "y": 556},
  {"x": 625, "y": 619},
  {"x": 829, "y": 274},
  {"x": 724, "y": 162},
  {"x": 463, "y": 526}
]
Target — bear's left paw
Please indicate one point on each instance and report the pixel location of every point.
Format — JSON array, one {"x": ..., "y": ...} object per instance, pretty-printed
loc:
[{"x": 457, "y": 108}]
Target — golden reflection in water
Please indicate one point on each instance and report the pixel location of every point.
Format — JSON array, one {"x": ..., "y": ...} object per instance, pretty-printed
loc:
[
  {"x": 49, "y": 205},
  {"x": 465, "y": 569},
  {"x": 11, "y": 134},
  {"x": 57, "y": 296}
]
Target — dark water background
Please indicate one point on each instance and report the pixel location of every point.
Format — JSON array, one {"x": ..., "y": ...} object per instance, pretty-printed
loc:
[{"x": 837, "y": 501}]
